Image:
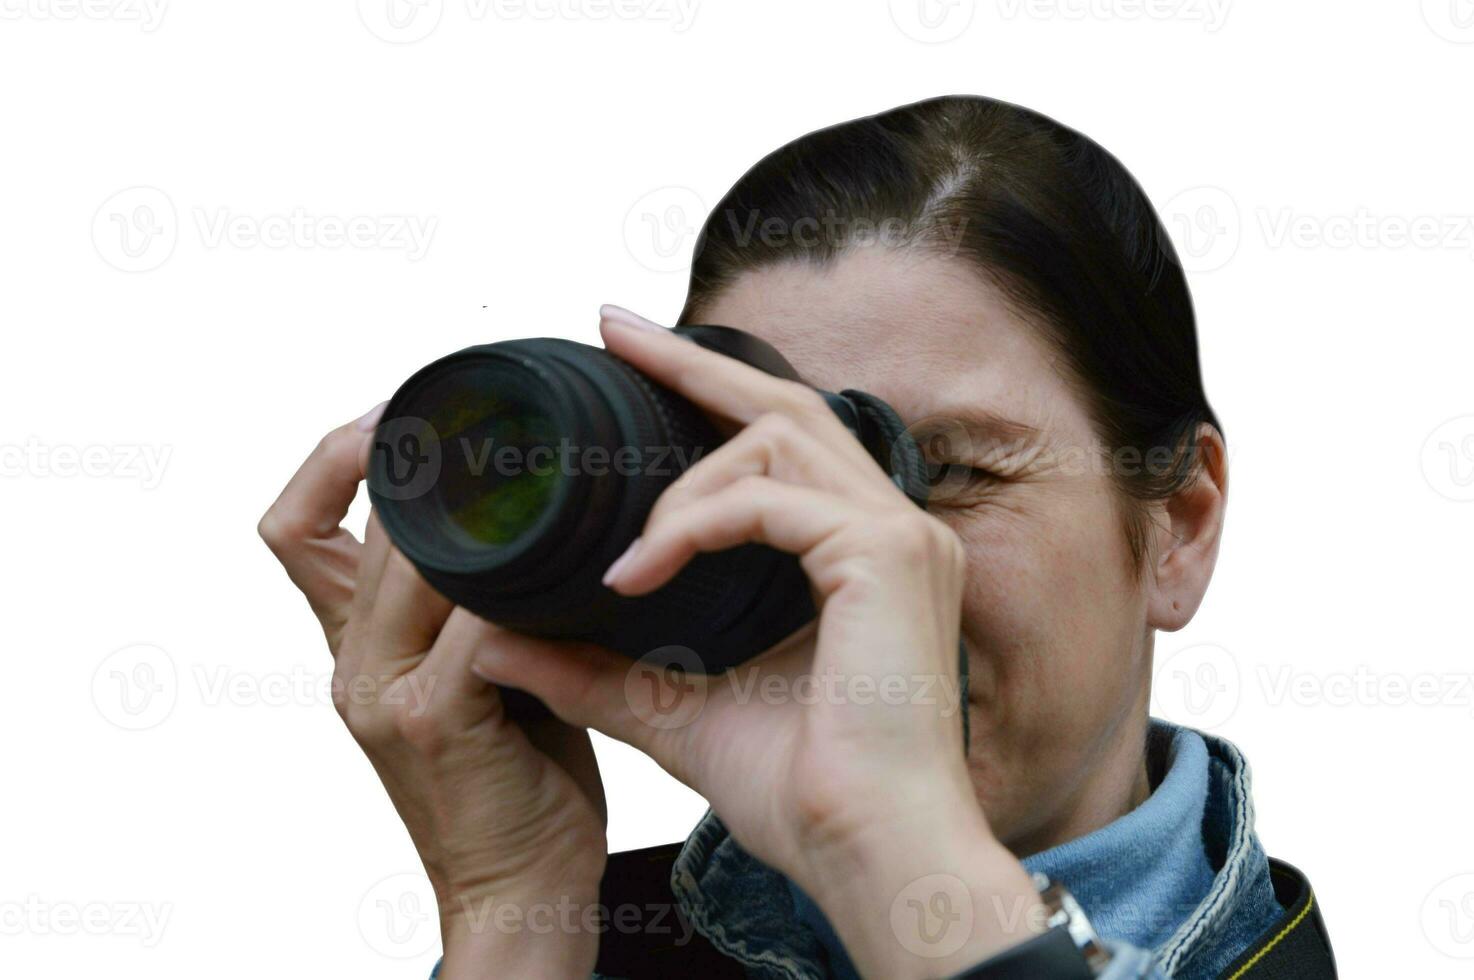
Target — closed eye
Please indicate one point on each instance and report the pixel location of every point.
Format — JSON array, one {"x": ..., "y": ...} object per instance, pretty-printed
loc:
[{"x": 958, "y": 482}]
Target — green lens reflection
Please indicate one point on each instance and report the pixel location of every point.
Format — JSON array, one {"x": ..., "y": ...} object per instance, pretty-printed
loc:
[{"x": 499, "y": 468}]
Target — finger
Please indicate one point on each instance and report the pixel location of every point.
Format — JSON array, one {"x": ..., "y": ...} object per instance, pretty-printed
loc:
[
  {"x": 371, "y": 563},
  {"x": 444, "y": 680},
  {"x": 372, "y": 557},
  {"x": 302, "y": 527},
  {"x": 754, "y": 509},
  {"x": 717, "y": 383},
  {"x": 778, "y": 447},
  {"x": 451, "y": 686},
  {"x": 582, "y": 684},
  {"x": 406, "y": 617}
]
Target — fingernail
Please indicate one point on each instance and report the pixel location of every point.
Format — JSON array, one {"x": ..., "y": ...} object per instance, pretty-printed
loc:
[
  {"x": 621, "y": 562},
  {"x": 371, "y": 417},
  {"x": 623, "y": 317}
]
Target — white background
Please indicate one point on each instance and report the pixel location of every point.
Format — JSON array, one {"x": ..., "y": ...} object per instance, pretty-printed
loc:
[{"x": 169, "y": 751}]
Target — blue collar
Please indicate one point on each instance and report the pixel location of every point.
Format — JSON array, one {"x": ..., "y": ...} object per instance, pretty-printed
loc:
[
  {"x": 1141, "y": 876},
  {"x": 1182, "y": 875}
]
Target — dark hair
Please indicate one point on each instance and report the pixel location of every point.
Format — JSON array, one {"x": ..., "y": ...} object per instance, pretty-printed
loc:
[{"x": 1044, "y": 213}]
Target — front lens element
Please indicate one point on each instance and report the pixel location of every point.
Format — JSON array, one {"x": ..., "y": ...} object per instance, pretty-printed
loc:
[{"x": 500, "y": 465}]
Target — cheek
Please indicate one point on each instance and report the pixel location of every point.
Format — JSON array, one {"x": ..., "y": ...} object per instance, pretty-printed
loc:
[
  {"x": 1053, "y": 618},
  {"x": 1050, "y": 574},
  {"x": 1055, "y": 628}
]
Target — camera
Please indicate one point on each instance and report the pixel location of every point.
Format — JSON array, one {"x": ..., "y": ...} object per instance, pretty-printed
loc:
[{"x": 512, "y": 474}]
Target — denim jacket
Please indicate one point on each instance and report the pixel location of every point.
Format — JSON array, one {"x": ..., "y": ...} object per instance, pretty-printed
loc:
[
  {"x": 1172, "y": 923},
  {"x": 1178, "y": 888}
]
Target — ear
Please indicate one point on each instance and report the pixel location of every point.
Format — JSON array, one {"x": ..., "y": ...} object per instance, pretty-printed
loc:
[{"x": 1189, "y": 526}]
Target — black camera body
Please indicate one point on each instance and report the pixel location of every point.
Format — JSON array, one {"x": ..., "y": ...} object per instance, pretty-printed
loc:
[{"x": 512, "y": 474}]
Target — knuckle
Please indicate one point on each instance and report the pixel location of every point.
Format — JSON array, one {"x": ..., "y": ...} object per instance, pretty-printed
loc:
[
  {"x": 268, "y": 530},
  {"x": 418, "y": 727},
  {"x": 824, "y": 811},
  {"x": 775, "y": 428},
  {"x": 751, "y": 486},
  {"x": 365, "y": 722},
  {"x": 359, "y": 699},
  {"x": 347, "y": 688},
  {"x": 279, "y": 530},
  {"x": 773, "y": 423},
  {"x": 342, "y": 702},
  {"x": 805, "y": 400},
  {"x": 922, "y": 538}
]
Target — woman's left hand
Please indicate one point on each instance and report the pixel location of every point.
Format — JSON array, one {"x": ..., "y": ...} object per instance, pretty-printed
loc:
[{"x": 836, "y": 757}]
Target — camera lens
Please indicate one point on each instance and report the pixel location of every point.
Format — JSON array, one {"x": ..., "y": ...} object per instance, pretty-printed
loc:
[
  {"x": 466, "y": 468},
  {"x": 513, "y": 474},
  {"x": 499, "y": 466}
]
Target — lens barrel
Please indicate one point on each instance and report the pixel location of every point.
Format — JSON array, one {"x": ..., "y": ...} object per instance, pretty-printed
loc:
[{"x": 513, "y": 474}]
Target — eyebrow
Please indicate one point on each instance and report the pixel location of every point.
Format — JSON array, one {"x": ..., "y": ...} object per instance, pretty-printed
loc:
[{"x": 978, "y": 423}]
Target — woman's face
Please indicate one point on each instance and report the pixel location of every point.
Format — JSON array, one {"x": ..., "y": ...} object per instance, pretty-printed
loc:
[{"x": 1054, "y": 618}]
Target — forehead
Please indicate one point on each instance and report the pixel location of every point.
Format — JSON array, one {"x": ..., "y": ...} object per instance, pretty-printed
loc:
[{"x": 924, "y": 332}]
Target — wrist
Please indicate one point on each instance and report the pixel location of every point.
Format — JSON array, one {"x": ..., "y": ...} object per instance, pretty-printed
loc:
[
  {"x": 930, "y": 894},
  {"x": 543, "y": 933}
]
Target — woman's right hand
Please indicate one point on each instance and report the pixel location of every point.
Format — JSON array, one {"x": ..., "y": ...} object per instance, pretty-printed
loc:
[{"x": 504, "y": 811}]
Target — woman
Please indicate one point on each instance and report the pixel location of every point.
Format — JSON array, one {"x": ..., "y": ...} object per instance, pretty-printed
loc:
[{"x": 1003, "y": 283}]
